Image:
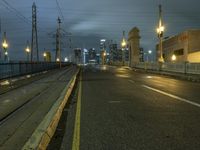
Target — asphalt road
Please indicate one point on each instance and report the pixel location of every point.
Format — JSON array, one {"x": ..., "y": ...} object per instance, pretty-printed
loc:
[
  {"x": 22, "y": 109},
  {"x": 119, "y": 109}
]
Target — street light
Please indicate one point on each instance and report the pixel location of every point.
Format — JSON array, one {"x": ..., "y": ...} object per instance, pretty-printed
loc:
[
  {"x": 44, "y": 55},
  {"x": 149, "y": 51},
  {"x": 123, "y": 44},
  {"x": 148, "y": 54},
  {"x": 57, "y": 59},
  {"x": 173, "y": 57},
  {"x": 27, "y": 50},
  {"x": 5, "y": 46},
  {"x": 160, "y": 31}
]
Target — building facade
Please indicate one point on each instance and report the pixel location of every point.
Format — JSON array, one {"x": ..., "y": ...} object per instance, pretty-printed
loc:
[
  {"x": 185, "y": 47},
  {"x": 78, "y": 55},
  {"x": 92, "y": 55}
]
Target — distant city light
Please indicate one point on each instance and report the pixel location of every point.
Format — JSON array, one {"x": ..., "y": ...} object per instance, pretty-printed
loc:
[
  {"x": 66, "y": 59},
  {"x": 57, "y": 59},
  {"x": 103, "y": 40},
  {"x": 149, "y": 51},
  {"x": 85, "y": 50},
  {"x": 6, "y": 53}
]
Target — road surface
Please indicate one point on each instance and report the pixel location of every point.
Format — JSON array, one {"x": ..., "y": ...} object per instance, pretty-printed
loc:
[{"x": 119, "y": 109}]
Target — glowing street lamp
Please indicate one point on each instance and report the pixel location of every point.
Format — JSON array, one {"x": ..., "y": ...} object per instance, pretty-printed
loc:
[
  {"x": 123, "y": 44},
  {"x": 148, "y": 54},
  {"x": 45, "y": 56},
  {"x": 57, "y": 59},
  {"x": 149, "y": 51},
  {"x": 5, "y": 46},
  {"x": 173, "y": 57},
  {"x": 27, "y": 50}
]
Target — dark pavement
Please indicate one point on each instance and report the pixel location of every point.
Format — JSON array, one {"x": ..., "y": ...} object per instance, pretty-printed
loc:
[{"x": 127, "y": 110}]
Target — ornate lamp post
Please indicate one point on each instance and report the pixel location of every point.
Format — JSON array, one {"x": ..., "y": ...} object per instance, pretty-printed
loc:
[{"x": 123, "y": 45}]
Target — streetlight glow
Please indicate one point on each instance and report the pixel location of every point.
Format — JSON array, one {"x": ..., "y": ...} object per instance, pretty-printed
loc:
[
  {"x": 123, "y": 43},
  {"x": 149, "y": 51},
  {"x": 44, "y": 54},
  {"x": 6, "y": 53},
  {"x": 27, "y": 49},
  {"x": 5, "y": 44},
  {"x": 173, "y": 57}
]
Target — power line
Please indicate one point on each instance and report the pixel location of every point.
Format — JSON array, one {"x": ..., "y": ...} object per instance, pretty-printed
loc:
[
  {"x": 17, "y": 13},
  {"x": 60, "y": 11}
]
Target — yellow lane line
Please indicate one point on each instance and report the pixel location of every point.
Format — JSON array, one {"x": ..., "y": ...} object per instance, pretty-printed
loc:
[{"x": 76, "y": 136}]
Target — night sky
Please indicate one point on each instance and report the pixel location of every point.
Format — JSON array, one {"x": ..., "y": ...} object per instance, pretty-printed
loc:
[{"x": 91, "y": 20}]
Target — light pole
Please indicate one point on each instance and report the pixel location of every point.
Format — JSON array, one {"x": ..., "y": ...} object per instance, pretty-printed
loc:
[
  {"x": 45, "y": 56},
  {"x": 5, "y": 47},
  {"x": 160, "y": 31},
  {"x": 123, "y": 45},
  {"x": 27, "y": 50}
]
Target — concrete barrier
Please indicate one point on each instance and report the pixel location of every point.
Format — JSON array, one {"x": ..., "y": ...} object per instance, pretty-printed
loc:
[{"x": 46, "y": 129}]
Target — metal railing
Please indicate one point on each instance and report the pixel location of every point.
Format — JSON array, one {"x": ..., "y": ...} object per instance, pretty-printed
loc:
[
  {"x": 12, "y": 69},
  {"x": 187, "y": 68}
]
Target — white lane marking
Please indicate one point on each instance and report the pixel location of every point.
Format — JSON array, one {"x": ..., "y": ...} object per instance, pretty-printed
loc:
[
  {"x": 114, "y": 102},
  {"x": 131, "y": 81},
  {"x": 173, "y": 96}
]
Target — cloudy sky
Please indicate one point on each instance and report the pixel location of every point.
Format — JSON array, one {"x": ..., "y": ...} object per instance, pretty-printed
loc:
[{"x": 91, "y": 20}]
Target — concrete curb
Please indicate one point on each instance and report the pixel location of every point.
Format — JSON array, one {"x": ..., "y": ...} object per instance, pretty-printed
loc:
[{"x": 44, "y": 132}]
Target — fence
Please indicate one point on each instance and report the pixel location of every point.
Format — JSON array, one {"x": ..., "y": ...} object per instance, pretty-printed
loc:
[
  {"x": 187, "y": 68},
  {"x": 13, "y": 69}
]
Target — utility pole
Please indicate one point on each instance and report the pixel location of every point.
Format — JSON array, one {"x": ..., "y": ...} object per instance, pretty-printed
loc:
[
  {"x": 58, "y": 42},
  {"x": 34, "y": 42}
]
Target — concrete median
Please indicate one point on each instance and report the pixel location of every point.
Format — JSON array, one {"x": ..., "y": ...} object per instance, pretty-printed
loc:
[{"x": 44, "y": 132}]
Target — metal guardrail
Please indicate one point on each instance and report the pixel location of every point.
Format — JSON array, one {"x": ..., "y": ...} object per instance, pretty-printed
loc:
[
  {"x": 187, "y": 68},
  {"x": 12, "y": 69}
]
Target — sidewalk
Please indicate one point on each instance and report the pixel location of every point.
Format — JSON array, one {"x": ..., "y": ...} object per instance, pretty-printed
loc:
[{"x": 189, "y": 77}]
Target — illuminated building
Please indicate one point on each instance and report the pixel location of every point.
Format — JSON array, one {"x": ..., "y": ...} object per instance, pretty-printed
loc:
[{"x": 185, "y": 46}]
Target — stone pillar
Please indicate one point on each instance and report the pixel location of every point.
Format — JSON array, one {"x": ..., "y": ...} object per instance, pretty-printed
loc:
[{"x": 134, "y": 46}]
